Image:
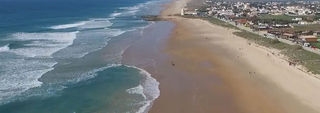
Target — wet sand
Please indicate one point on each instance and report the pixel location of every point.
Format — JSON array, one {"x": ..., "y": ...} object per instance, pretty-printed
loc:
[
  {"x": 203, "y": 68},
  {"x": 182, "y": 90}
]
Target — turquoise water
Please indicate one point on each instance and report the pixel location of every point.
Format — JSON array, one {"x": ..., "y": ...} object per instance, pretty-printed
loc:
[{"x": 51, "y": 57}]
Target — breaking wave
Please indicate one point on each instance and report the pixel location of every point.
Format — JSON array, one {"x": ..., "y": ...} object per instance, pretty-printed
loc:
[
  {"x": 66, "y": 26},
  {"x": 148, "y": 89},
  {"x": 5, "y": 48}
]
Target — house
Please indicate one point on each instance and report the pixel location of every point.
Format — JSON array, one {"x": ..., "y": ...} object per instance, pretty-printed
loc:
[
  {"x": 281, "y": 26},
  {"x": 260, "y": 27},
  {"x": 297, "y": 19},
  {"x": 185, "y": 11},
  {"x": 288, "y": 35},
  {"x": 241, "y": 21},
  {"x": 316, "y": 33},
  {"x": 182, "y": 12},
  {"x": 270, "y": 35},
  {"x": 308, "y": 38},
  {"x": 276, "y": 33},
  {"x": 226, "y": 13},
  {"x": 304, "y": 22},
  {"x": 307, "y": 33},
  {"x": 263, "y": 11}
]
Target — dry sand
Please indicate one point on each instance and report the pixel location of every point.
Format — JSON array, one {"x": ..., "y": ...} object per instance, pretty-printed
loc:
[
  {"x": 259, "y": 81},
  {"x": 204, "y": 68}
]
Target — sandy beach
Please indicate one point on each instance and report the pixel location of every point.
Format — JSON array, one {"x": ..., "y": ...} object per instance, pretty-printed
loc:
[{"x": 204, "y": 68}]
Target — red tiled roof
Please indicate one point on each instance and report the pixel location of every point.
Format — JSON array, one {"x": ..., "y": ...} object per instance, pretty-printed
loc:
[{"x": 242, "y": 21}]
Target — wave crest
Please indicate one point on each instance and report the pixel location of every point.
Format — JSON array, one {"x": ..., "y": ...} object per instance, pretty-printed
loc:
[
  {"x": 90, "y": 24},
  {"x": 43, "y": 44},
  {"x": 5, "y": 48},
  {"x": 66, "y": 26},
  {"x": 148, "y": 89}
]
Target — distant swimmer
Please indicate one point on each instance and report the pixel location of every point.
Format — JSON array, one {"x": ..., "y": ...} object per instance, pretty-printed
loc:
[{"x": 173, "y": 64}]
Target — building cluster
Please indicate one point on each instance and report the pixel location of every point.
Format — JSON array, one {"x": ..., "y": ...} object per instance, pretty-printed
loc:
[{"x": 277, "y": 19}]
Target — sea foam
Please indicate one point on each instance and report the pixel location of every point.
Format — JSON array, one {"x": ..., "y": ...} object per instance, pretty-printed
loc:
[
  {"x": 19, "y": 75},
  {"x": 66, "y": 26},
  {"x": 5, "y": 48},
  {"x": 42, "y": 44},
  {"x": 129, "y": 11},
  {"x": 148, "y": 89},
  {"x": 115, "y": 14},
  {"x": 97, "y": 23},
  {"x": 91, "y": 23}
]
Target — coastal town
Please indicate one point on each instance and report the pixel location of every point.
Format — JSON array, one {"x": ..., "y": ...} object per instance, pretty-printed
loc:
[{"x": 294, "y": 22}]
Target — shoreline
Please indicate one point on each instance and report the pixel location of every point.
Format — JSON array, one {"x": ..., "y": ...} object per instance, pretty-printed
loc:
[{"x": 203, "y": 67}]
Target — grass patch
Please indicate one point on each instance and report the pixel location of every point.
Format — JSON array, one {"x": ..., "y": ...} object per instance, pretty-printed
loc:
[
  {"x": 215, "y": 21},
  {"x": 276, "y": 18},
  {"x": 312, "y": 27},
  {"x": 295, "y": 53},
  {"x": 317, "y": 17},
  {"x": 262, "y": 40},
  {"x": 220, "y": 23},
  {"x": 283, "y": 19},
  {"x": 316, "y": 44}
]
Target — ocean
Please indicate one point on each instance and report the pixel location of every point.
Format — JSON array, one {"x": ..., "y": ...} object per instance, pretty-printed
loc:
[{"x": 64, "y": 56}]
